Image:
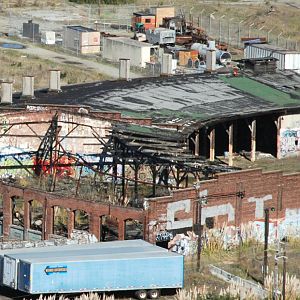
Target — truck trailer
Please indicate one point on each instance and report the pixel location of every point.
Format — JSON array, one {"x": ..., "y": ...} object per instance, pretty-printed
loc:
[
  {"x": 13, "y": 255},
  {"x": 144, "y": 270}
]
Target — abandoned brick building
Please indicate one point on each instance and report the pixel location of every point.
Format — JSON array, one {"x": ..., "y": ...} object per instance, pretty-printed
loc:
[{"x": 133, "y": 159}]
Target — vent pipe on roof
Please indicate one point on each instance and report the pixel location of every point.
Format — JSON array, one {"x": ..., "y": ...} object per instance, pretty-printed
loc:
[
  {"x": 124, "y": 68},
  {"x": 166, "y": 66},
  {"x": 28, "y": 86},
  {"x": 54, "y": 82},
  {"x": 6, "y": 91},
  {"x": 211, "y": 60}
]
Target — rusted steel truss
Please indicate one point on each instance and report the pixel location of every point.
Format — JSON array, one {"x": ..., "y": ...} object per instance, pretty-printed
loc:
[{"x": 167, "y": 156}]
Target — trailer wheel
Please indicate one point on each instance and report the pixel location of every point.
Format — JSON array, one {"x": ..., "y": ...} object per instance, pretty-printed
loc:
[
  {"x": 153, "y": 294},
  {"x": 141, "y": 294}
]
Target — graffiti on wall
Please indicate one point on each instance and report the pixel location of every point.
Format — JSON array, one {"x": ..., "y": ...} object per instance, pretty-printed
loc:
[
  {"x": 289, "y": 225},
  {"x": 6, "y": 160},
  {"x": 184, "y": 244},
  {"x": 175, "y": 207},
  {"x": 289, "y": 141},
  {"x": 259, "y": 205}
]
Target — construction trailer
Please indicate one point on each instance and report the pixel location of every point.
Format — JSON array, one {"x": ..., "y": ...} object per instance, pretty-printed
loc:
[
  {"x": 287, "y": 59},
  {"x": 139, "y": 53},
  {"x": 81, "y": 39},
  {"x": 142, "y": 21}
]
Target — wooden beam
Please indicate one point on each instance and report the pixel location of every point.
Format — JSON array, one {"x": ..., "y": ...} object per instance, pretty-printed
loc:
[
  {"x": 197, "y": 143},
  {"x": 212, "y": 136},
  {"x": 253, "y": 140},
  {"x": 230, "y": 146},
  {"x": 278, "y": 126}
]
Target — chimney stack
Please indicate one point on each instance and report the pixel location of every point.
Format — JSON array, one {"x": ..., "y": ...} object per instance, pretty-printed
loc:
[
  {"x": 6, "y": 91},
  {"x": 54, "y": 83},
  {"x": 166, "y": 67},
  {"x": 28, "y": 86},
  {"x": 124, "y": 68},
  {"x": 211, "y": 60}
]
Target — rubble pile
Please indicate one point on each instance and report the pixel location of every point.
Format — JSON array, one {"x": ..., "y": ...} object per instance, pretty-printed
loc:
[{"x": 77, "y": 237}]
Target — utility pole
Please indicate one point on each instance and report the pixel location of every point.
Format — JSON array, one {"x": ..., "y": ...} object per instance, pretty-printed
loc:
[
  {"x": 276, "y": 287},
  {"x": 265, "y": 266},
  {"x": 284, "y": 272},
  {"x": 201, "y": 200}
]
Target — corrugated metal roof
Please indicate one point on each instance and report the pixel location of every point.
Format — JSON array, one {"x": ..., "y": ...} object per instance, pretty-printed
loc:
[{"x": 273, "y": 48}]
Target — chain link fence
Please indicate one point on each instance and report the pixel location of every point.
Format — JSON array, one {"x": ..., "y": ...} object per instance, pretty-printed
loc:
[{"x": 231, "y": 31}]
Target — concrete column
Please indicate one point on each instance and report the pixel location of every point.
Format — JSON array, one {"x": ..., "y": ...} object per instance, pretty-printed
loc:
[
  {"x": 124, "y": 68},
  {"x": 28, "y": 86},
  {"x": 212, "y": 139},
  {"x": 211, "y": 60},
  {"x": 197, "y": 144},
  {"x": 54, "y": 82},
  {"x": 6, "y": 91},
  {"x": 121, "y": 230},
  {"x": 7, "y": 213},
  {"x": 253, "y": 139},
  {"x": 278, "y": 126},
  {"x": 230, "y": 146},
  {"x": 71, "y": 222},
  {"x": 94, "y": 226}
]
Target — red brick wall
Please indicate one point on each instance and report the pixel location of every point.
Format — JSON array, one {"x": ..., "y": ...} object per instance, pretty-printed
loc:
[
  {"x": 262, "y": 190},
  {"x": 95, "y": 210}
]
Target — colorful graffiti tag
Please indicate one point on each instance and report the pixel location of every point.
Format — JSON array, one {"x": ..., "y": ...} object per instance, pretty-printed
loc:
[{"x": 289, "y": 141}]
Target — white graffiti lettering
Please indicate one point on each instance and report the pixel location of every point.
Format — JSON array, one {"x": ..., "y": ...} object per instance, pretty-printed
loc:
[
  {"x": 172, "y": 208},
  {"x": 259, "y": 205},
  {"x": 218, "y": 210}
]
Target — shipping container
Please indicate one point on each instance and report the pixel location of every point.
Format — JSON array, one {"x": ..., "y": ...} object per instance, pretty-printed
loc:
[
  {"x": 144, "y": 269},
  {"x": 287, "y": 60},
  {"x": 10, "y": 259}
]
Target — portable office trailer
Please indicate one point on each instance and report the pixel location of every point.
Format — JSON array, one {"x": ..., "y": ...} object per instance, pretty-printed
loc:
[
  {"x": 11, "y": 259},
  {"x": 136, "y": 271},
  {"x": 287, "y": 59},
  {"x": 139, "y": 53},
  {"x": 82, "y": 39}
]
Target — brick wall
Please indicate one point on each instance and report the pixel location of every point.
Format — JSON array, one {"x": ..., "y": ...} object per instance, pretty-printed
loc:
[
  {"x": 224, "y": 206},
  {"x": 95, "y": 210}
]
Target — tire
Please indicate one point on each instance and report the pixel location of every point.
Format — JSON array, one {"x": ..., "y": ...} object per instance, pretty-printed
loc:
[
  {"x": 154, "y": 294},
  {"x": 141, "y": 294}
]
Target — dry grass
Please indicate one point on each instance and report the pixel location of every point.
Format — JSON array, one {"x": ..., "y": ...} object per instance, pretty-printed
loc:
[
  {"x": 29, "y": 3},
  {"x": 91, "y": 296},
  {"x": 14, "y": 65},
  {"x": 292, "y": 286}
]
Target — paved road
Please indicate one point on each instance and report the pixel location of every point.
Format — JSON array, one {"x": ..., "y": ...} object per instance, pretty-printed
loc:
[{"x": 68, "y": 59}]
